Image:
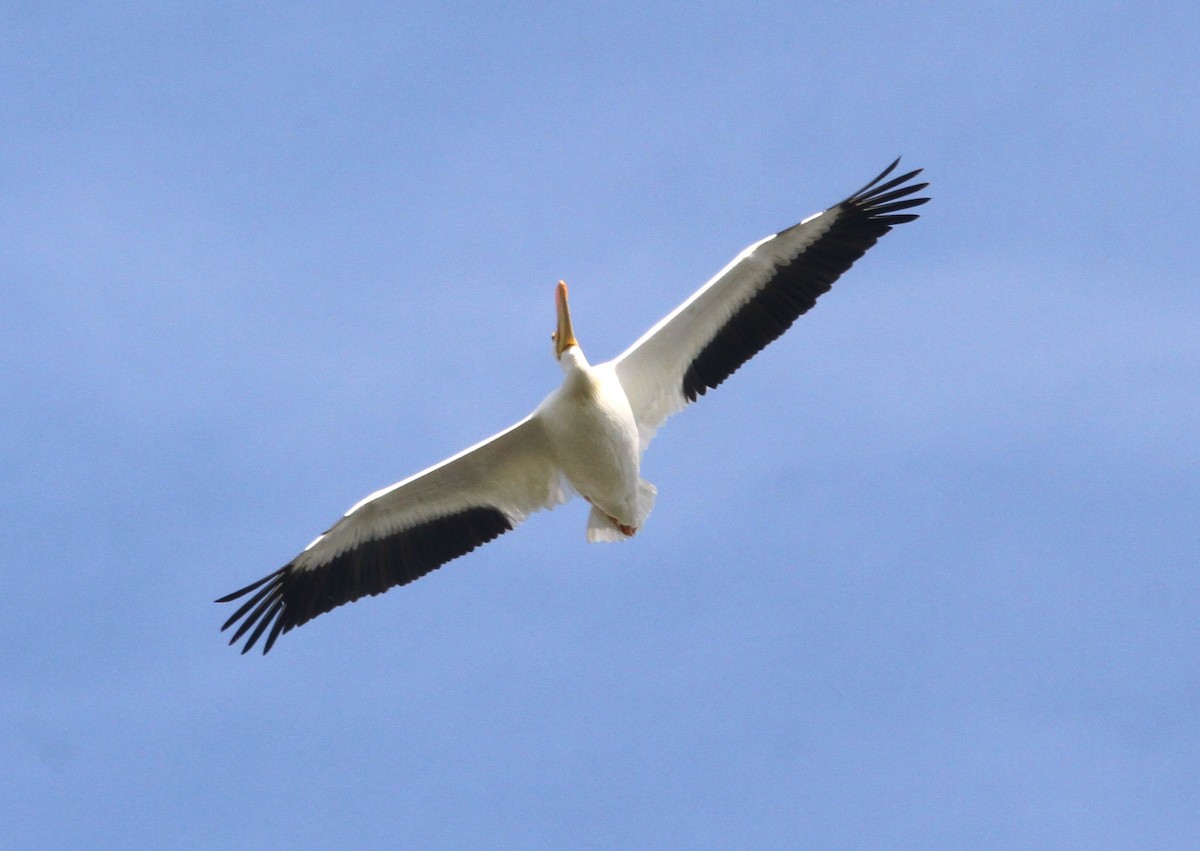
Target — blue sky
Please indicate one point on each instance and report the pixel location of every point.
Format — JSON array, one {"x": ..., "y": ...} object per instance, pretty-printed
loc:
[{"x": 923, "y": 574}]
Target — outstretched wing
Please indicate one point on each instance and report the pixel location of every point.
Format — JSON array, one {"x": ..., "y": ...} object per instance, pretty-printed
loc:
[
  {"x": 402, "y": 532},
  {"x": 755, "y": 299}
]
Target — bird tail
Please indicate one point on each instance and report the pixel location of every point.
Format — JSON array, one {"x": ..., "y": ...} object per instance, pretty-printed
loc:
[{"x": 601, "y": 527}]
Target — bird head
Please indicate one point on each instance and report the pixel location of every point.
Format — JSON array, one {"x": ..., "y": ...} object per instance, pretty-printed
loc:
[{"x": 563, "y": 337}]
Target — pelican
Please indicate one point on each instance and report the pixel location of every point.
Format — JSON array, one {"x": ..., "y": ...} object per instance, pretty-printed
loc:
[{"x": 588, "y": 435}]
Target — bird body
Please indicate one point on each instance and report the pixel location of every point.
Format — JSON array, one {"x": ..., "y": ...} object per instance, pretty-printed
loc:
[
  {"x": 588, "y": 435},
  {"x": 593, "y": 438}
]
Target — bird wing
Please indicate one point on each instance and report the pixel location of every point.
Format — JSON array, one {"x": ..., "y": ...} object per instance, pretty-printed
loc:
[
  {"x": 404, "y": 531},
  {"x": 755, "y": 299}
]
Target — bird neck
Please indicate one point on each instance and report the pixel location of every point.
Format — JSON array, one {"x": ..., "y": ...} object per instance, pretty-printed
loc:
[
  {"x": 579, "y": 379},
  {"x": 573, "y": 361}
]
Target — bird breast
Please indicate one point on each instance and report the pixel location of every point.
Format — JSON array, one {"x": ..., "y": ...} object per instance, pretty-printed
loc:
[{"x": 594, "y": 437}]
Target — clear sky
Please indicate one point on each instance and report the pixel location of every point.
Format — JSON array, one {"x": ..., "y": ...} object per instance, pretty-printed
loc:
[{"x": 924, "y": 574}]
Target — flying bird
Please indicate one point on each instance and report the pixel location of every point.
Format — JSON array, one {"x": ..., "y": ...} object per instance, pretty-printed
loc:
[{"x": 588, "y": 435}]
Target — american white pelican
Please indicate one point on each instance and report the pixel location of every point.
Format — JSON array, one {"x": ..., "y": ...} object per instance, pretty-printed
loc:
[{"x": 588, "y": 435}]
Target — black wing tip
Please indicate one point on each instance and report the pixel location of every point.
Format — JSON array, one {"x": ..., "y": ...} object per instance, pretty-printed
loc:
[
  {"x": 229, "y": 598},
  {"x": 877, "y": 178},
  {"x": 260, "y": 611},
  {"x": 882, "y": 196}
]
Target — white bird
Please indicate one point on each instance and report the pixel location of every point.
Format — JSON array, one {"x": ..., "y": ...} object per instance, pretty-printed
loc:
[{"x": 588, "y": 435}]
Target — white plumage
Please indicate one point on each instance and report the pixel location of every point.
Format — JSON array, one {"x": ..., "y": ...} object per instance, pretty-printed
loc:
[{"x": 588, "y": 435}]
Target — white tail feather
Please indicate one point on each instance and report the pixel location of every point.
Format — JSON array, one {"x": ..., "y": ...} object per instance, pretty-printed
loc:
[{"x": 601, "y": 527}]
